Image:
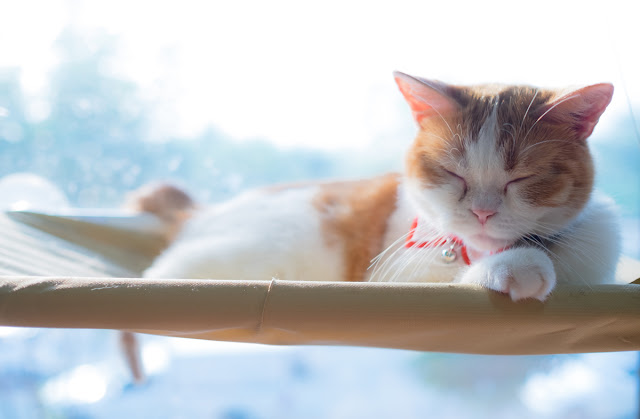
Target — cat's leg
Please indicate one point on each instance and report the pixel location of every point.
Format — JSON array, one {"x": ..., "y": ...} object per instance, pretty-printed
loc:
[{"x": 521, "y": 272}]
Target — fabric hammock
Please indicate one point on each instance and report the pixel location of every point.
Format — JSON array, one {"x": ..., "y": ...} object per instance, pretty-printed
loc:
[{"x": 81, "y": 270}]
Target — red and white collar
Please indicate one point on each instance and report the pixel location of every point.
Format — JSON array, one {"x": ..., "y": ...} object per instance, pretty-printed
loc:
[{"x": 452, "y": 244}]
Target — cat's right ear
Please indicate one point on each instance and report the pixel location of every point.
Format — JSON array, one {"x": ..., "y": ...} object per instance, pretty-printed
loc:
[{"x": 426, "y": 98}]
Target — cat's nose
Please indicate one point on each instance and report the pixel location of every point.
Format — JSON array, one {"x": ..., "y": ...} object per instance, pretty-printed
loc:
[{"x": 483, "y": 215}]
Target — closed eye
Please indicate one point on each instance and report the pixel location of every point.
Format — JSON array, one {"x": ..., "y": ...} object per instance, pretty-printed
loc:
[
  {"x": 464, "y": 182},
  {"x": 454, "y": 175},
  {"x": 519, "y": 179}
]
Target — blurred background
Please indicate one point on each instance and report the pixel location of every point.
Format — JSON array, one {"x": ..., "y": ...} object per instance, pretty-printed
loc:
[{"x": 99, "y": 98}]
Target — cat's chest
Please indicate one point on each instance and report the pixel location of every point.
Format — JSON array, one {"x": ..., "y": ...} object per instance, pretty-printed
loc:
[{"x": 415, "y": 265}]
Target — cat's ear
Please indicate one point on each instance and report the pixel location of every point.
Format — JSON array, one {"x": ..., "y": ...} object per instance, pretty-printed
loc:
[
  {"x": 581, "y": 108},
  {"x": 426, "y": 98}
]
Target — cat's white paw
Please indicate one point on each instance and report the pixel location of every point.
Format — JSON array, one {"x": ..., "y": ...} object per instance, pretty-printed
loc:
[{"x": 521, "y": 273}]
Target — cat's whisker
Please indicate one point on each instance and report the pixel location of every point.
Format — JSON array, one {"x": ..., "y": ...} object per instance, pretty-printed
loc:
[
  {"x": 581, "y": 247},
  {"x": 576, "y": 247},
  {"x": 528, "y": 108},
  {"x": 553, "y": 231},
  {"x": 559, "y": 260},
  {"x": 430, "y": 134},
  {"x": 395, "y": 264},
  {"x": 409, "y": 258},
  {"x": 381, "y": 267},
  {"x": 448, "y": 150},
  {"x": 431, "y": 256},
  {"x": 555, "y": 105},
  {"x": 405, "y": 260},
  {"x": 537, "y": 242},
  {"x": 510, "y": 132},
  {"x": 381, "y": 264},
  {"x": 540, "y": 143},
  {"x": 384, "y": 252}
]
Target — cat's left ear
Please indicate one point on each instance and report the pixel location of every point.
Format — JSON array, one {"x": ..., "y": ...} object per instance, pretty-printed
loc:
[
  {"x": 427, "y": 98},
  {"x": 581, "y": 108}
]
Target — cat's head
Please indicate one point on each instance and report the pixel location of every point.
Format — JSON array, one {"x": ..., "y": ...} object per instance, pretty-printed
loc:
[{"x": 492, "y": 164}]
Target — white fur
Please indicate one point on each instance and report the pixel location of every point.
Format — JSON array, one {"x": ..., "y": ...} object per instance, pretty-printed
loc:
[
  {"x": 587, "y": 250},
  {"x": 257, "y": 236}
]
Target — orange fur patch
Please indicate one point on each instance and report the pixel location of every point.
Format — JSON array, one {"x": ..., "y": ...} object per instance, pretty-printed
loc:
[{"x": 355, "y": 214}]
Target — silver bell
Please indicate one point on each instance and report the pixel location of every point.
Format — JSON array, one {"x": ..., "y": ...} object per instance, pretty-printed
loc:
[{"x": 449, "y": 255}]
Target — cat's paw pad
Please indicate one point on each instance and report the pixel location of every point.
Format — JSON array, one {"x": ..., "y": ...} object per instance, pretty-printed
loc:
[{"x": 520, "y": 273}]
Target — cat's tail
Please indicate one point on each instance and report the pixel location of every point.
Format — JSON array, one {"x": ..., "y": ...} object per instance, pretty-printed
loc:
[
  {"x": 131, "y": 351},
  {"x": 169, "y": 203}
]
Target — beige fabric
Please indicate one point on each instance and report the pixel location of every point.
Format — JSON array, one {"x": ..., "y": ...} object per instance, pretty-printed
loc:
[
  {"x": 78, "y": 244},
  {"x": 430, "y": 317}
]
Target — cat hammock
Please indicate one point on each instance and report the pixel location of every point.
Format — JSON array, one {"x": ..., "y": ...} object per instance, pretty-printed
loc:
[{"x": 81, "y": 270}]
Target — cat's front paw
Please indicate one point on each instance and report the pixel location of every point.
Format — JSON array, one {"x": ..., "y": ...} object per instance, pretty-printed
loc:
[{"x": 521, "y": 273}]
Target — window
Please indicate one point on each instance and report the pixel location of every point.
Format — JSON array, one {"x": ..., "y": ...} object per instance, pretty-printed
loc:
[{"x": 101, "y": 98}]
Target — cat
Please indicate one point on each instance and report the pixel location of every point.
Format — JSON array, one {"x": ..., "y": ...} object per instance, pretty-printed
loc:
[{"x": 496, "y": 191}]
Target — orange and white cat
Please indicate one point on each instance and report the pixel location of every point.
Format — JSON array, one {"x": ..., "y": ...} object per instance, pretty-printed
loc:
[{"x": 497, "y": 191}]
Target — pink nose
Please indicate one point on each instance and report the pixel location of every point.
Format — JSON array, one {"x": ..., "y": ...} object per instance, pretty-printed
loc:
[{"x": 483, "y": 215}]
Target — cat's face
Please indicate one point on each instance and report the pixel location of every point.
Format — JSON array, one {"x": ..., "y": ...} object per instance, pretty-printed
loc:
[{"x": 493, "y": 164}]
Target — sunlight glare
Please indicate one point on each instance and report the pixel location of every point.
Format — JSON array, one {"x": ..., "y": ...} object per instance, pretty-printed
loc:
[
  {"x": 547, "y": 392},
  {"x": 308, "y": 79},
  {"x": 155, "y": 357},
  {"x": 83, "y": 384}
]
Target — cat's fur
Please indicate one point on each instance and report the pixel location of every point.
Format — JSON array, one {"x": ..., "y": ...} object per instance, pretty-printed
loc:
[{"x": 506, "y": 169}]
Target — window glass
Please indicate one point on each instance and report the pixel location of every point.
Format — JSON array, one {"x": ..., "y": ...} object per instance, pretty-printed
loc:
[{"x": 99, "y": 98}]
